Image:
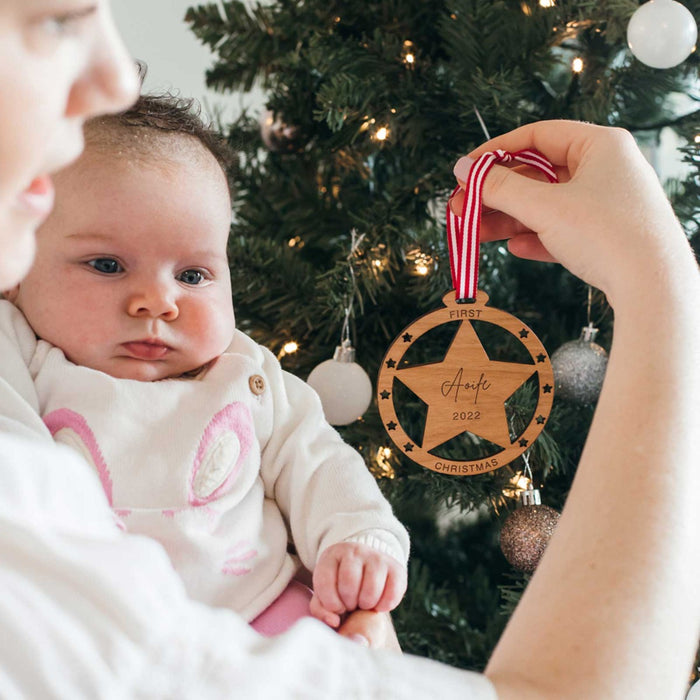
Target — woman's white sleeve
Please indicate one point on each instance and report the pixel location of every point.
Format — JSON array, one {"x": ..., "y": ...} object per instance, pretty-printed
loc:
[{"x": 87, "y": 611}]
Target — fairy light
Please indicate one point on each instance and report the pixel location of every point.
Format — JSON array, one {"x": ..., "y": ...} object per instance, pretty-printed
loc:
[
  {"x": 383, "y": 457},
  {"x": 295, "y": 242},
  {"x": 382, "y": 133},
  {"x": 697, "y": 138},
  {"x": 516, "y": 485},
  {"x": 366, "y": 123},
  {"x": 422, "y": 263},
  {"x": 289, "y": 348},
  {"x": 547, "y": 3},
  {"x": 379, "y": 259},
  {"x": 577, "y": 64},
  {"x": 408, "y": 53}
]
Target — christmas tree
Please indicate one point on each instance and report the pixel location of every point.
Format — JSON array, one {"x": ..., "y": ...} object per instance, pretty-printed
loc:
[{"x": 340, "y": 192}]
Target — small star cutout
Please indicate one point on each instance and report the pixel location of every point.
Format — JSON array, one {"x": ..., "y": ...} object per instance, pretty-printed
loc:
[
  {"x": 524, "y": 333},
  {"x": 385, "y": 394},
  {"x": 391, "y": 425},
  {"x": 547, "y": 388},
  {"x": 523, "y": 442},
  {"x": 540, "y": 420},
  {"x": 407, "y": 337},
  {"x": 541, "y": 357},
  {"x": 390, "y": 363},
  {"x": 408, "y": 447}
]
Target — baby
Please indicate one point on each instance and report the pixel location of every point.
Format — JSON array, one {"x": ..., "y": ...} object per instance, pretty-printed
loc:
[{"x": 198, "y": 436}]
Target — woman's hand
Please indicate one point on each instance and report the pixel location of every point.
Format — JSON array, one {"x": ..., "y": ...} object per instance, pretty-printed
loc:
[
  {"x": 607, "y": 220},
  {"x": 370, "y": 628}
]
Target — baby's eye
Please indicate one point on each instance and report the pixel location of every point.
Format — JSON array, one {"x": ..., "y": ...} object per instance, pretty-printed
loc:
[
  {"x": 193, "y": 277},
  {"x": 107, "y": 266}
]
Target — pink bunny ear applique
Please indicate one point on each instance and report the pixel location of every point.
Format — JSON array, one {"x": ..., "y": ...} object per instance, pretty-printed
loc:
[
  {"x": 70, "y": 428},
  {"x": 224, "y": 446}
]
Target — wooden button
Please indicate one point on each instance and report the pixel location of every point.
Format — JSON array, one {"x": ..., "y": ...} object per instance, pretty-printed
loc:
[{"x": 257, "y": 384}]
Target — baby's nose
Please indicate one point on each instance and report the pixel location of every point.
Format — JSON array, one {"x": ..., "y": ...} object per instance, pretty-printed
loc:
[{"x": 156, "y": 301}]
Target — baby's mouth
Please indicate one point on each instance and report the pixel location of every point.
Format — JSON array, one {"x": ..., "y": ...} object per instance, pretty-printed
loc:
[{"x": 147, "y": 349}]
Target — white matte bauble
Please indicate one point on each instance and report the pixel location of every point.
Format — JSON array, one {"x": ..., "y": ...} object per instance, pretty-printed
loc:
[
  {"x": 694, "y": 692},
  {"x": 662, "y": 33},
  {"x": 344, "y": 387}
]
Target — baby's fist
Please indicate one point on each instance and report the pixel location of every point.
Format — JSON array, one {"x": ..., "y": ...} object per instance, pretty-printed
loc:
[{"x": 350, "y": 575}]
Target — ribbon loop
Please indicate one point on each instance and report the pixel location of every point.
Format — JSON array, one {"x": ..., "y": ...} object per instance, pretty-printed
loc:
[{"x": 463, "y": 232}]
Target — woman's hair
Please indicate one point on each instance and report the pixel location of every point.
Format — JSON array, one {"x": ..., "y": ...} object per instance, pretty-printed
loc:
[{"x": 146, "y": 128}]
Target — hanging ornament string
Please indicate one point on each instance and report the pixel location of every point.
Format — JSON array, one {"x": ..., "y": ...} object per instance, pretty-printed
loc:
[
  {"x": 463, "y": 232},
  {"x": 355, "y": 241}
]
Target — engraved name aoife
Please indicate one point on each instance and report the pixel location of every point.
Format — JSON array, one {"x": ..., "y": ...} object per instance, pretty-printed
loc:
[{"x": 453, "y": 386}]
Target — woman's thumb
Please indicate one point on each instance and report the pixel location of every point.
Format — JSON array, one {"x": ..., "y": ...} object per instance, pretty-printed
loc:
[{"x": 505, "y": 190}]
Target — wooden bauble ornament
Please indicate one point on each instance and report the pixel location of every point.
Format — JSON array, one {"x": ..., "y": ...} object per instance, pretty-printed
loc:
[{"x": 466, "y": 391}]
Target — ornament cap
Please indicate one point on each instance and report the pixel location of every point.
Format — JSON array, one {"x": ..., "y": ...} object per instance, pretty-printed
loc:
[
  {"x": 588, "y": 333},
  {"x": 531, "y": 496},
  {"x": 344, "y": 352}
]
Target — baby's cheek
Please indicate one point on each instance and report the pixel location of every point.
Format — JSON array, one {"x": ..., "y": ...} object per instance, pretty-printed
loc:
[{"x": 215, "y": 326}]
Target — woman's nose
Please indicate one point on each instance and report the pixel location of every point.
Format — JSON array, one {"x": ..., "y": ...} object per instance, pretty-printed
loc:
[
  {"x": 153, "y": 301},
  {"x": 109, "y": 80}
]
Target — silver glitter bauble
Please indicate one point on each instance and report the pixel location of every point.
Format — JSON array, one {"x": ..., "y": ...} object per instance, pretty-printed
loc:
[
  {"x": 579, "y": 368},
  {"x": 527, "y": 531},
  {"x": 276, "y": 135}
]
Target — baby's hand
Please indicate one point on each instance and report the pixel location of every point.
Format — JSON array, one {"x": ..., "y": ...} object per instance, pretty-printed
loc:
[{"x": 349, "y": 576}]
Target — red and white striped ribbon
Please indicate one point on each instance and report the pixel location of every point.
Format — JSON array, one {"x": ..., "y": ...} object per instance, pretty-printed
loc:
[{"x": 463, "y": 231}]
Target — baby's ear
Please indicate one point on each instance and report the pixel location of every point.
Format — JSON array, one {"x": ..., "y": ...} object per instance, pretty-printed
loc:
[{"x": 11, "y": 294}]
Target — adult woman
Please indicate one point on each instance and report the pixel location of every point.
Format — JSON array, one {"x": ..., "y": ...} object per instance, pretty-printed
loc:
[{"x": 88, "y": 612}]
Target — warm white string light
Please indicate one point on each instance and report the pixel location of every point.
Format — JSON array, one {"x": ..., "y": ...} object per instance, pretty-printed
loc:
[
  {"x": 408, "y": 54},
  {"x": 382, "y": 458},
  {"x": 289, "y": 348}
]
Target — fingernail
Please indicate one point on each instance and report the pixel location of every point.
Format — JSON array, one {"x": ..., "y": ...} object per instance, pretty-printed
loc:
[
  {"x": 462, "y": 168},
  {"x": 359, "y": 639}
]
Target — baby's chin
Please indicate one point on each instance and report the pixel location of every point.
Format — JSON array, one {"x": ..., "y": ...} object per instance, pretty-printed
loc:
[{"x": 146, "y": 370}]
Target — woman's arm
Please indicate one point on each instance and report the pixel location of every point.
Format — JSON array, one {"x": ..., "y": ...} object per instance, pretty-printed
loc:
[{"x": 613, "y": 609}]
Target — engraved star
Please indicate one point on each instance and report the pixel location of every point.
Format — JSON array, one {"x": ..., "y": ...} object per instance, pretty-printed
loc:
[
  {"x": 524, "y": 333},
  {"x": 385, "y": 394},
  {"x": 390, "y": 363},
  {"x": 407, "y": 337},
  {"x": 540, "y": 420},
  {"x": 408, "y": 447},
  {"x": 547, "y": 388},
  {"x": 522, "y": 442},
  {"x": 541, "y": 357},
  {"x": 466, "y": 391},
  {"x": 391, "y": 425}
]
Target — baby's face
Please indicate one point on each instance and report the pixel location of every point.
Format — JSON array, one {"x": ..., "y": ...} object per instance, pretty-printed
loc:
[{"x": 131, "y": 275}]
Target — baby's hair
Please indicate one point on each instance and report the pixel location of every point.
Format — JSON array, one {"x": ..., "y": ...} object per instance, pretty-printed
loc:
[{"x": 146, "y": 128}]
